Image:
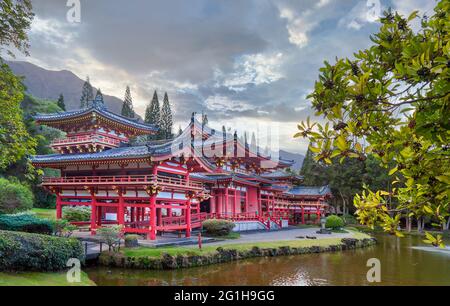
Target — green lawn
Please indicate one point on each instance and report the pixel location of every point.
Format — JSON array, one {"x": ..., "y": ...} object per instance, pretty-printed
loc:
[
  {"x": 157, "y": 252},
  {"x": 44, "y": 213},
  {"x": 41, "y": 279}
]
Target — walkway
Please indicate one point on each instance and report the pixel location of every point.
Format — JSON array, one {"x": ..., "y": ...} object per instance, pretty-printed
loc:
[{"x": 288, "y": 234}]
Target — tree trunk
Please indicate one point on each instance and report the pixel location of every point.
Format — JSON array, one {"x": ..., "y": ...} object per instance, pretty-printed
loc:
[
  {"x": 408, "y": 224},
  {"x": 419, "y": 225},
  {"x": 447, "y": 225}
]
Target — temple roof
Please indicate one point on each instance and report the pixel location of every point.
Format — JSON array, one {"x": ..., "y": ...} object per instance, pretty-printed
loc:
[
  {"x": 117, "y": 153},
  {"x": 281, "y": 174},
  {"x": 309, "y": 191},
  {"x": 159, "y": 150},
  {"x": 99, "y": 109}
]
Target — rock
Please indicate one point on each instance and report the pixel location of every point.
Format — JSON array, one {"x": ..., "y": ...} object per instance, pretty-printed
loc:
[{"x": 169, "y": 261}]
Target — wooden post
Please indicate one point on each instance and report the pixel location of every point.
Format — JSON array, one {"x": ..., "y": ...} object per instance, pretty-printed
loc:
[
  {"x": 234, "y": 202},
  {"x": 188, "y": 218},
  {"x": 120, "y": 210},
  {"x": 303, "y": 214},
  {"x": 226, "y": 201},
  {"x": 152, "y": 234},
  {"x": 93, "y": 214},
  {"x": 58, "y": 207}
]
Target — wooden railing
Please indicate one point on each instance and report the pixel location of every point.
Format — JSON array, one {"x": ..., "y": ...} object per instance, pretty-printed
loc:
[
  {"x": 86, "y": 138},
  {"x": 121, "y": 179}
]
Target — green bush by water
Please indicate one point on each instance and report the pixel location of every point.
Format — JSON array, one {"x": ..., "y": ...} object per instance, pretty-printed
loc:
[
  {"x": 334, "y": 222},
  {"x": 34, "y": 252}
]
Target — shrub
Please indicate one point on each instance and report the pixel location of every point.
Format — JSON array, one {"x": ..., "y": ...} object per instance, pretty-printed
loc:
[
  {"x": 334, "y": 222},
  {"x": 26, "y": 223},
  {"x": 34, "y": 252},
  {"x": 111, "y": 235},
  {"x": 77, "y": 213},
  {"x": 63, "y": 228},
  {"x": 131, "y": 241},
  {"x": 216, "y": 227},
  {"x": 349, "y": 219},
  {"x": 14, "y": 197}
]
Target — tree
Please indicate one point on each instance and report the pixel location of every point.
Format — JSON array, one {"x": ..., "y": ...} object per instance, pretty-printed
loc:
[
  {"x": 127, "y": 106},
  {"x": 166, "y": 119},
  {"x": 204, "y": 120},
  {"x": 15, "y": 20},
  {"x": 61, "y": 103},
  {"x": 87, "y": 94},
  {"x": 180, "y": 131},
  {"x": 15, "y": 142},
  {"x": 392, "y": 101},
  {"x": 152, "y": 114},
  {"x": 99, "y": 96}
]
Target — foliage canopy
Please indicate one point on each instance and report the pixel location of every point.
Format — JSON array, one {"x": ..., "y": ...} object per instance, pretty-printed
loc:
[{"x": 392, "y": 101}]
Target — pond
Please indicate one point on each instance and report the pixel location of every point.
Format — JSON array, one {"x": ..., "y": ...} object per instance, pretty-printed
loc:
[{"x": 404, "y": 261}]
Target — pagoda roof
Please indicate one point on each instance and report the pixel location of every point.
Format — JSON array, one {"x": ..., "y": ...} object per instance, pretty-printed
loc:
[
  {"x": 282, "y": 175},
  {"x": 98, "y": 109},
  {"x": 155, "y": 150},
  {"x": 309, "y": 191}
]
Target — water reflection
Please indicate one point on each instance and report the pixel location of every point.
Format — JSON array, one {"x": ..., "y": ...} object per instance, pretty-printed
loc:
[{"x": 401, "y": 264}]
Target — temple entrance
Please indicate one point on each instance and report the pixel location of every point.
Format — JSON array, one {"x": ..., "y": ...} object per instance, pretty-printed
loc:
[{"x": 205, "y": 206}]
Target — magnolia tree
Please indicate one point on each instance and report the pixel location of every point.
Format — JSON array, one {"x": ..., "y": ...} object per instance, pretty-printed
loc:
[{"x": 392, "y": 101}]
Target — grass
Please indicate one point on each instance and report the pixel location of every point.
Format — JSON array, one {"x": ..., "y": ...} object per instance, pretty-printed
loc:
[
  {"x": 157, "y": 252},
  {"x": 41, "y": 279},
  {"x": 44, "y": 213},
  {"x": 232, "y": 235}
]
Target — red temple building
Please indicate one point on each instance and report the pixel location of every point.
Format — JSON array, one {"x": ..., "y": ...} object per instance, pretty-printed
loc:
[{"x": 171, "y": 185}]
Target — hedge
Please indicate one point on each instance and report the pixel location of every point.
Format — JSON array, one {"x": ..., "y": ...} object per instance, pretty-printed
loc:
[
  {"x": 34, "y": 252},
  {"x": 77, "y": 213},
  {"x": 14, "y": 197},
  {"x": 216, "y": 227},
  {"x": 334, "y": 222},
  {"x": 26, "y": 223}
]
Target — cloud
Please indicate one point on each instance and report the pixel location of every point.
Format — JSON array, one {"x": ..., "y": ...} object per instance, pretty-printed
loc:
[{"x": 246, "y": 62}]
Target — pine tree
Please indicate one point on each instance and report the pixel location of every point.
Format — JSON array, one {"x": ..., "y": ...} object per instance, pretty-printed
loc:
[
  {"x": 87, "y": 94},
  {"x": 152, "y": 114},
  {"x": 99, "y": 95},
  {"x": 61, "y": 103},
  {"x": 204, "y": 120},
  {"x": 166, "y": 119},
  {"x": 127, "y": 106}
]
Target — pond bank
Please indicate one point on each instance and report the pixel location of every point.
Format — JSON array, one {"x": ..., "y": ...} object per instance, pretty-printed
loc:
[{"x": 185, "y": 257}]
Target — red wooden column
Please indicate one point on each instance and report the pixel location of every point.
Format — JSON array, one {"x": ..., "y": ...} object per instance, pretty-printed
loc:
[
  {"x": 188, "y": 218},
  {"x": 226, "y": 201},
  {"x": 120, "y": 210},
  {"x": 303, "y": 214},
  {"x": 152, "y": 234},
  {"x": 234, "y": 202},
  {"x": 318, "y": 213},
  {"x": 93, "y": 213},
  {"x": 212, "y": 202},
  {"x": 58, "y": 207},
  {"x": 99, "y": 215}
]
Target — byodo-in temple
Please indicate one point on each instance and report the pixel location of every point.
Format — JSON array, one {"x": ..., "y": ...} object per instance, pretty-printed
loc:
[{"x": 173, "y": 185}]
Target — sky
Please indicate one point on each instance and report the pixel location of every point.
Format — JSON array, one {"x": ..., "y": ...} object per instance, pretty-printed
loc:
[{"x": 247, "y": 64}]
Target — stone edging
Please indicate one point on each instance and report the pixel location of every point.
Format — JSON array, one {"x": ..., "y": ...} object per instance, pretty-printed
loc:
[{"x": 169, "y": 262}]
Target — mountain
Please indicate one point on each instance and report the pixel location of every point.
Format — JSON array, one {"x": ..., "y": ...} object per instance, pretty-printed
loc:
[
  {"x": 298, "y": 158},
  {"x": 49, "y": 84}
]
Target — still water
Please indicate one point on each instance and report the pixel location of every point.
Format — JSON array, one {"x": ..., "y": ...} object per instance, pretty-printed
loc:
[{"x": 401, "y": 264}]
